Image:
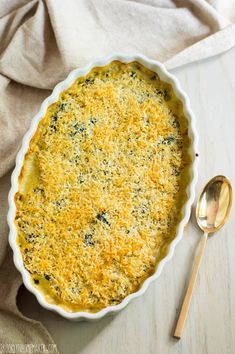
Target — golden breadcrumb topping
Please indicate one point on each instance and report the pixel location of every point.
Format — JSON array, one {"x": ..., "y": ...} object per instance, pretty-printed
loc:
[{"x": 102, "y": 187}]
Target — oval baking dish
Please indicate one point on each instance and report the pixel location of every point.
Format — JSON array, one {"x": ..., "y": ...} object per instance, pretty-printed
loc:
[{"x": 101, "y": 218}]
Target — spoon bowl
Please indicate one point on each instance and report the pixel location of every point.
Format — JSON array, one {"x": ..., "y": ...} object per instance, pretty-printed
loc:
[{"x": 214, "y": 204}]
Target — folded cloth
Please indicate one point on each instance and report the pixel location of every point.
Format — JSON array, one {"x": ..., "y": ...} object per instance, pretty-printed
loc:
[{"x": 41, "y": 41}]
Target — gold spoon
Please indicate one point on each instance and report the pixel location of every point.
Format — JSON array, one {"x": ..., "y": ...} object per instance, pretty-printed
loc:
[{"x": 212, "y": 212}]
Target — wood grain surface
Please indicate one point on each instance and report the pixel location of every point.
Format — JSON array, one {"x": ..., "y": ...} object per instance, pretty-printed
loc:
[{"x": 146, "y": 325}]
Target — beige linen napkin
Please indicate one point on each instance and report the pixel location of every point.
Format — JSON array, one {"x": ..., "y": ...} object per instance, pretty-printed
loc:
[{"x": 41, "y": 41}]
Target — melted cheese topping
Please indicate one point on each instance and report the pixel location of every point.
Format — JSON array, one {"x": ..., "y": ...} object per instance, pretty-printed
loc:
[{"x": 102, "y": 187}]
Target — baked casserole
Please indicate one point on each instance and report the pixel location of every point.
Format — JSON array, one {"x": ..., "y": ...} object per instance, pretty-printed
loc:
[{"x": 102, "y": 186}]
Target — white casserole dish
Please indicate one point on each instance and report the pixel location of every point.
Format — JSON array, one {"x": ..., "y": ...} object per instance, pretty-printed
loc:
[{"x": 165, "y": 76}]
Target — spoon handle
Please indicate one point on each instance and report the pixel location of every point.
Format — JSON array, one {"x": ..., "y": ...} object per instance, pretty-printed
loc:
[{"x": 187, "y": 299}]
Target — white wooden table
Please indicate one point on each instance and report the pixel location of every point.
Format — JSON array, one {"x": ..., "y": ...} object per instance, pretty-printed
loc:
[{"x": 146, "y": 325}]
